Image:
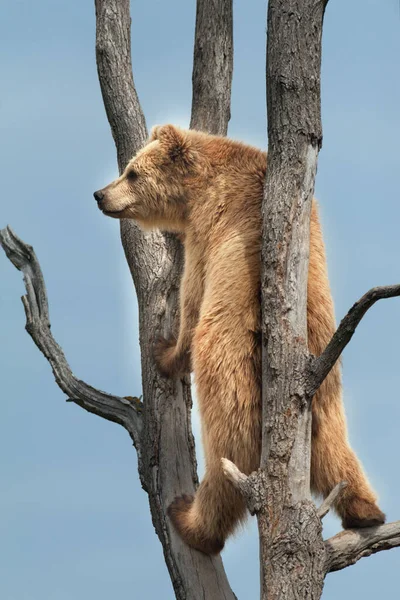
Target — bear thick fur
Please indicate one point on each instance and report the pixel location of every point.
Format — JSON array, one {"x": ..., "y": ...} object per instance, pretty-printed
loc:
[{"x": 209, "y": 189}]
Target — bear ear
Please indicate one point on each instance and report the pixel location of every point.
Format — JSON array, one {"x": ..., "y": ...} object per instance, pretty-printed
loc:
[
  {"x": 175, "y": 141},
  {"x": 154, "y": 133}
]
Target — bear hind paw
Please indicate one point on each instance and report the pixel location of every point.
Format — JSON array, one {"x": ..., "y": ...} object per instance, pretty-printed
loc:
[
  {"x": 359, "y": 513},
  {"x": 170, "y": 363},
  {"x": 179, "y": 513}
]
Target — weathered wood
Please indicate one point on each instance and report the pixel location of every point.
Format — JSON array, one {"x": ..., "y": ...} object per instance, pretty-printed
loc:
[
  {"x": 330, "y": 499},
  {"x": 347, "y": 547},
  {"x": 292, "y": 549},
  {"x": 212, "y": 66},
  {"x": 324, "y": 363},
  {"x": 127, "y": 413}
]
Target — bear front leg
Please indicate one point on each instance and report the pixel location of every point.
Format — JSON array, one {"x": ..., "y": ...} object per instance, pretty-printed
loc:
[
  {"x": 226, "y": 366},
  {"x": 173, "y": 354}
]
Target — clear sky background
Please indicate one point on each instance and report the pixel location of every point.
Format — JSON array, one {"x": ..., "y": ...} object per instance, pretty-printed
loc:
[{"x": 74, "y": 522}]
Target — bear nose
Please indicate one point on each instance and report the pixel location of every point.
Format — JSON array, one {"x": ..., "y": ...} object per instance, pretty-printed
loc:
[{"x": 98, "y": 196}]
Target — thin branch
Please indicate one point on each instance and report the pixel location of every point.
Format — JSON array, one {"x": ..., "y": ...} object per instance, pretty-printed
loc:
[
  {"x": 324, "y": 363},
  {"x": 329, "y": 500},
  {"x": 347, "y": 547},
  {"x": 113, "y": 408},
  {"x": 231, "y": 472},
  {"x": 252, "y": 487}
]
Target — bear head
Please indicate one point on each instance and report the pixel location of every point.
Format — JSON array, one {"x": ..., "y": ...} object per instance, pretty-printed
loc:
[{"x": 155, "y": 185}]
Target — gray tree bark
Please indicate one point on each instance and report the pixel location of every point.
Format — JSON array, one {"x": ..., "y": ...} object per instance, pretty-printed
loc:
[
  {"x": 292, "y": 550},
  {"x": 212, "y": 66}
]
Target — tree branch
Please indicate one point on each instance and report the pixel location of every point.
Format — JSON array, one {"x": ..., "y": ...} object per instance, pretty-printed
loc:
[
  {"x": 119, "y": 410},
  {"x": 347, "y": 547},
  {"x": 231, "y": 472},
  {"x": 252, "y": 487},
  {"x": 341, "y": 551},
  {"x": 323, "y": 364},
  {"x": 330, "y": 499}
]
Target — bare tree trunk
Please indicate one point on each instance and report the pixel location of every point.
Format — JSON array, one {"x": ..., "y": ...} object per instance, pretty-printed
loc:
[{"x": 292, "y": 548}]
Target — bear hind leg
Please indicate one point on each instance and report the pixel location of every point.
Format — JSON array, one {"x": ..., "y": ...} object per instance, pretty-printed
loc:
[{"x": 333, "y": 460}]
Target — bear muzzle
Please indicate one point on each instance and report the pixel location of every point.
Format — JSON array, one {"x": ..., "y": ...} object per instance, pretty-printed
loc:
[{"x": 98, "y": 196}]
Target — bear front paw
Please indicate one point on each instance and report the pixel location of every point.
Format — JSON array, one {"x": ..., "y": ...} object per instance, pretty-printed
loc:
[{"x": 170, "y": 362}]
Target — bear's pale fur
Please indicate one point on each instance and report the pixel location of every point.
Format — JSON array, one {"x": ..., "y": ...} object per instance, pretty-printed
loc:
[{"x": 209, "y": 189}]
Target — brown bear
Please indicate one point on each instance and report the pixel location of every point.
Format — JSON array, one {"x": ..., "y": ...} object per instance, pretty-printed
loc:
[{"x": 209, "y": 189}]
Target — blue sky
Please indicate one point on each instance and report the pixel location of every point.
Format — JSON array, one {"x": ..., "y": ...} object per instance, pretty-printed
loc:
[{"x": 74, "y": 522}]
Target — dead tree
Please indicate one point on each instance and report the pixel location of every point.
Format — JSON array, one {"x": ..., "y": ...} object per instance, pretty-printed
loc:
[{"x": 294, "y": 557}]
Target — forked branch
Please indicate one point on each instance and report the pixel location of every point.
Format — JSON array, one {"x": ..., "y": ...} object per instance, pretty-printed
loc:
[
  {"x": 113, "y": 408},
  {"x": 250, "y": 486},
  {"x": 341, "y": 551},
  {"x": 324, "y": 363}
]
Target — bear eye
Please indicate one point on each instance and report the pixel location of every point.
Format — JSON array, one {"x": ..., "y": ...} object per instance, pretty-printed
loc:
[{"x": 132, "y": 175}]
